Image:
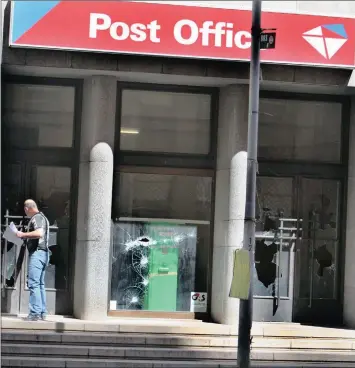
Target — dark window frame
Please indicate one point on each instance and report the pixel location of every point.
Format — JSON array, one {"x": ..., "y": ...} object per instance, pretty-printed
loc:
[
  {"x": 52, "y": 156},
  {"x": 345, "y": 121},
  {"x": 118, "y": 170},
  {"x": 318, "y": 170},
  {"x": 162, "y": 159},
  {"x": 154, "y": 162},
  {"x": 55, "y": 82}
]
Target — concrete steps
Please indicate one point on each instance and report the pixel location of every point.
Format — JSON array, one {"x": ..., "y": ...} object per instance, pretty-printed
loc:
[
  {"x": 91, "y": 349},
  {"x": 109, "y": 363},
  {"x": 66, "y": 342},
  {"x": 164, "y": 340}
]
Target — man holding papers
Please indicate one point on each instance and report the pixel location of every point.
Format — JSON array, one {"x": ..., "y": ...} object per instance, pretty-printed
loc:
[{"x": 36, "y": 239}]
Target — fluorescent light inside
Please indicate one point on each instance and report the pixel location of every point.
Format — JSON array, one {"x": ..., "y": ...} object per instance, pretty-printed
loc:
[{"x": 129, "y": 131}]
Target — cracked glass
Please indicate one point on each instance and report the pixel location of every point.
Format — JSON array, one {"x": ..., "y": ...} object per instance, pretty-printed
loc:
[
  {"x": 317, "y": 256},
  {"x": 160, "y": 241},
  {"x": 274, "y": 200}
]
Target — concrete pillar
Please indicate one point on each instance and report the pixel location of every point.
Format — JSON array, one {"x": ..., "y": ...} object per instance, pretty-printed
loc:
[
  {"x": 349, "y": 276},
  {"x": 92, "y": 263},
  {"x": 230, "y": 198}
]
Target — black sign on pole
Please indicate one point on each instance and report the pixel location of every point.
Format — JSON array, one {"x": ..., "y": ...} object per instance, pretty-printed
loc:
[{"x": 267, "y": 40}]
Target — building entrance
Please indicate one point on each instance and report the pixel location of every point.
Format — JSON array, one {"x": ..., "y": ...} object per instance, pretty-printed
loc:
[
  {"x": 50, "y": 186},
  {"x": 40, "y": 126},
  {"x": 298, "y": 250}
]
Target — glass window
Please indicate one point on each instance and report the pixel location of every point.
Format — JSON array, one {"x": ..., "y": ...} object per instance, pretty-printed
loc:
[
  {"x": 11, "y": 189},
  {"x": 164, "y": 196},
  {"x": 300, "y": 130},
  {"x": 318, "y": 253},
  {"x": 169, "y": 122},
  {"x": 38, "y": 115},
  {"x": 160, "y": 242},
  {"x": 12, "y": 201}
]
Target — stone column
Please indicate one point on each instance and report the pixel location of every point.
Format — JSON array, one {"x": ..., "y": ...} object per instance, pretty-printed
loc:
[
  {"x": 349, "y": 274},
  {"x": 230, "y": 198},
  {"x": 92, "y": 262}
]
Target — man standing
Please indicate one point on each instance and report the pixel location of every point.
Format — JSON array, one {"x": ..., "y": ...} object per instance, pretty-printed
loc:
[{"x": 36, "y": 238}]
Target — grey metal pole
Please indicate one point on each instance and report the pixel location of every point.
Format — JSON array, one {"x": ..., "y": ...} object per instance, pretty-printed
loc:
[{"x": 246, "y": 306}]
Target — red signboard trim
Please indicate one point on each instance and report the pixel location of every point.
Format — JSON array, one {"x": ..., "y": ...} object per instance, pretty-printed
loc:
[{"x": 301, "y": 39}]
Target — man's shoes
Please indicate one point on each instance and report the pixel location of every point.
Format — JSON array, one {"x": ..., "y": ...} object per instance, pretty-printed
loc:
[
  {"x": 43, "y": 317},
  {"x": 31, "y": 318}
]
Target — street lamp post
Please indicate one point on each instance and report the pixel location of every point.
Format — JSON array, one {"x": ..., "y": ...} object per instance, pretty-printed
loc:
[{"x": 246, "y": 306}]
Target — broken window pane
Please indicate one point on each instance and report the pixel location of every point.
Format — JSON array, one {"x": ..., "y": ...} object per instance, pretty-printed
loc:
[
  {"x": 154, "y": 265},
  {"x": 274, "y": 201},
  {"x": 161, "y": 241},
  {"x": 317, "y": 255}
]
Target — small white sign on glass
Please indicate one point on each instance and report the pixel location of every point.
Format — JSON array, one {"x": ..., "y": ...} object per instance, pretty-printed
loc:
[
  {"x": 198, "y": 302},
  {"x": 113, "y": 304}
]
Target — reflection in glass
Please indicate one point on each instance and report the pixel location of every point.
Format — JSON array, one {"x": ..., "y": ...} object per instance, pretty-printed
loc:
[
  {"x": 161, "y": 240},
  {"x": 317, "y": 256},
  {"x": 12, "y": 202},
  {"x": 300, "y": 130},
  {"x": 172, "y": 122},
  {"x": 164, "y": 196},
  {"x": 38, "y": 115},
  {"x": 320, "y": 202},
  {"x": 12, "y": 198},
  {"x": 10, "y": 267},
  {"x": 154, "y": 266},
  {"x": 52, "y": 194}
]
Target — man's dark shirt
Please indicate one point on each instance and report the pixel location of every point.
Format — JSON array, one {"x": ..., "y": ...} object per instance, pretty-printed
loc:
[{"x": 38, "y": 221}]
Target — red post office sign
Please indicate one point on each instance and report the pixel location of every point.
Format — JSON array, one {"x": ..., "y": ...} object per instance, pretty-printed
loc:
[{"x": 179, "y": 31}]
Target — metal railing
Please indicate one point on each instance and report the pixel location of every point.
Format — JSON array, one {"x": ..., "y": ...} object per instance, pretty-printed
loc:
[
  {"x": 21, "y": 224},
  {"x": 288, "y": 231}
]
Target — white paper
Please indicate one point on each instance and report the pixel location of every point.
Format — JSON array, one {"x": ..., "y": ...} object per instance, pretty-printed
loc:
[
  {"x": 13, "y": 227},
  {"x": 198, "y": 302},
  {"x": 11, "y": 237}
]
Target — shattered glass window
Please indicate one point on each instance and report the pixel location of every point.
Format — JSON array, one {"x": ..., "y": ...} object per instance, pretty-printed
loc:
[
  {"x": 318, "y": 254},
  {"x": 316, "y": 202},
  {"x": 274, "y": 200},
  {"x": 161, "y": 240}
]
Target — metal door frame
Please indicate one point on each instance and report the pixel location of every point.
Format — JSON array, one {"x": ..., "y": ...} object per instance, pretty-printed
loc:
[
  {"x": 20, "y": 289},
  {"x": 159, "y": 170},
  {"x": 320, "y": 172},
  {"x": 14, "y": 292},
  {"x": 56, "y": 157},
  {"x": 336, "y": 315},
  {"x": 262, "y": 303}
]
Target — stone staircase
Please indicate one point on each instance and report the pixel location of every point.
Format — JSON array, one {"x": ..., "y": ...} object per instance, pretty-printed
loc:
[{"x": 169, "y": 343}]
